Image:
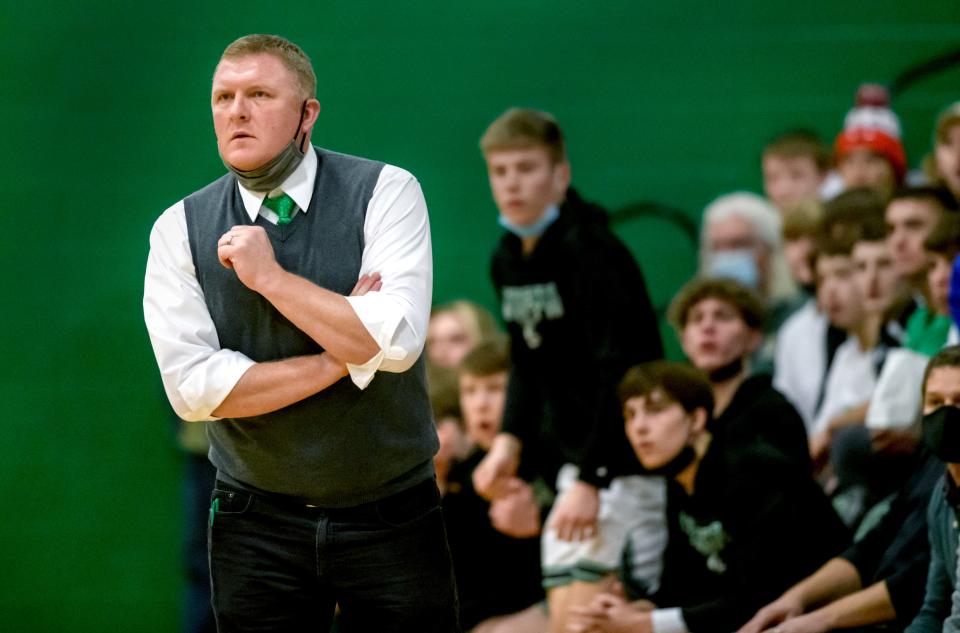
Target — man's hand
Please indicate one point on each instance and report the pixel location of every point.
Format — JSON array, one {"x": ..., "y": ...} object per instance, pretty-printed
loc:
[
  {"x": 609, "y": 614},
  {"x": 820, "y": 449},
  {"x": 575, "y": 515},
  {"x": 778, "y": 611},
  {"x": 367, "y": 283},
  {"x": 809, "y": 623},
  {"x": 492, "y": 474},
  {"x": 895, "y": 441},
  {"x": 516, "y": 513},
  {"x": 247, "y": 250}
]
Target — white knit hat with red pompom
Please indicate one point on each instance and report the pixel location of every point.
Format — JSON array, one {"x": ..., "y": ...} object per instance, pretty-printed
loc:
[{"x": 871, "y": 124}]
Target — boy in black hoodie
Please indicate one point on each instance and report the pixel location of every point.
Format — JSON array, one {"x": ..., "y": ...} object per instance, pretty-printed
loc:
[
  {"x": 745, "y": 523},
  {"x": 578, "y": 314}
]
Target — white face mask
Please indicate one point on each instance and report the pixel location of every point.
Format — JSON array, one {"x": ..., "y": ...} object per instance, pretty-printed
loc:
[
  {"x": 532, "y": 230},
  {"x": 739, "y": 265},
  {"x": 271, "y": 174}
]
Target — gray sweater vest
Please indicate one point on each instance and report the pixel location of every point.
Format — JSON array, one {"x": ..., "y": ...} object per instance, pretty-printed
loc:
[{"x": 342, "y": 446}]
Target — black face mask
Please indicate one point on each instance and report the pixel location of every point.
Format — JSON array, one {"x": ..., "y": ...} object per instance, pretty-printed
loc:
[
  {"x": 726, "y": 372},
  {"x": 941, "y": 433},
  {"x": 676, "y": 465},
  {"x": 271, "y": 174}
]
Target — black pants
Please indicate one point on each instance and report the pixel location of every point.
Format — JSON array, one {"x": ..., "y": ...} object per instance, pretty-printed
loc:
[{"x": 279, "y": 566}]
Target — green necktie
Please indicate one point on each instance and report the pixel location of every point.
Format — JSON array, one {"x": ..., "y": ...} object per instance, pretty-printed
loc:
[{"x": 282, "y": 206}]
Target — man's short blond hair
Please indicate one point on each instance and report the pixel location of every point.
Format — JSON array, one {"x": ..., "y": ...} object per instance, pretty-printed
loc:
[
  {"x": 522, "y": 128},
  {"x": 291, "y": 55}
]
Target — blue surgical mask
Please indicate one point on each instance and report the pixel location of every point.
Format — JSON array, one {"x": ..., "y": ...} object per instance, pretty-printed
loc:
[
  {"x": 536, "y": 229},
  {"x": 739, "y": 265}
]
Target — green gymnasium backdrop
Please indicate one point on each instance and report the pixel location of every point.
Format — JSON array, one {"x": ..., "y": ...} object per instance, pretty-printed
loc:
[{"x": 105, "y": 123}]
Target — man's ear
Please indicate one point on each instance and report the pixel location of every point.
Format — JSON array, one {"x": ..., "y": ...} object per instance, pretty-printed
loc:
[
  {"x": 311, "y": 113},
  {"x": 561, "y": 178},
  {"x": 754, "y": 341}
]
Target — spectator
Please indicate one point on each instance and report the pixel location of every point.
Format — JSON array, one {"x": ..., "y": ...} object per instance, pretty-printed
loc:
[
  {"x": 864, "y": 475},
  {"x": 445, "y": 405},
  {"x": 498, "y": 576},
  {"x": 942, "y": 166},
  {"x": 807, "y": 342},
  {"x": 800, "y": 229},
  {"x": 942, "y": 246},
  {"x": 742, "y": 240},
  {"x": 895, "y": 405},
  {"x": 456, "y": 328},
  {"x": 453, "y": 331},
  {"x": 578, "y": 315},
  {"x": 794, "y": 164},
  {"x": 853, "y": 373},
  {"x": 740, "y": 516},
  {"x": 868, "y": 151},
  {"x": 940, "y": 424},
  {"x": 878, "y": 580},
  {"x": 911, "y": 217},
  {"x": 720, "y": 325}
]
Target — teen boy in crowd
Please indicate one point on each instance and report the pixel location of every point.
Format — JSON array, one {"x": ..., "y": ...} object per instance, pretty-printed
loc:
[
  {"x": 911, "y": 216},
  {"x": 720, "y": 325},
  {"x": 498, "y": 573},
  {"x": 868, "y": 151},
  {"x": 741, "y": 516},
  {"x": 578, "y": 315},
  {"x": 807, "y": 342},
  {"x": 879, "y": 580},
  {"x": 940, "y": 434},
  {"x": 794, "y": 165}
]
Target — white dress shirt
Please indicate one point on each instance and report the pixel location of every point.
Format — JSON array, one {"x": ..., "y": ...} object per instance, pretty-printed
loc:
[
  {"x": 801, "y": 360},
  {"x": 850, "y": 381},
  {"x": 198, "y": 375}
]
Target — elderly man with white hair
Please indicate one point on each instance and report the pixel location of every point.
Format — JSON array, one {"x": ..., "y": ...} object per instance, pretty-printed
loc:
[{"x": 741, "y": 239}]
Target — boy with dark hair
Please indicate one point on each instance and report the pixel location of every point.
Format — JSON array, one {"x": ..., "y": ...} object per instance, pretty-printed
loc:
[
  {"x": 942, "y": 246},
  {"x": 911, "y": 216},
  {"x": 807, "y": 342},
  {"x": 794, "y": 164},
  {"x": 720, "y": 324},
  {"x": 578, "y": 314},
  {"x": 879, "y": 579},
  {"x": 740, "y": 515},
  {"x": 852, "y": 375},
  {"x": 941, "y": 401},
  {"x": 497, "y": 570}
]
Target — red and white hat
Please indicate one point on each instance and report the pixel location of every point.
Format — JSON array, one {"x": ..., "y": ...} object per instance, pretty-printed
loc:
[{"x": 871, "y": 124}]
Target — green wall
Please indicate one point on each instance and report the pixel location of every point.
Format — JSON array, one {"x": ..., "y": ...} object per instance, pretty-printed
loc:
[{"x": 106, "y": 123}]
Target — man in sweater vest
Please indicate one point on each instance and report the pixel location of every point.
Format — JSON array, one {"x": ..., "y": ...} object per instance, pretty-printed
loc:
[{"x": 264, "y": 292}]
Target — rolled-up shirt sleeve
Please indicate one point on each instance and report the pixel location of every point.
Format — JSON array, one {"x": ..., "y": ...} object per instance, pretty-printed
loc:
[
  {"x": 668, "y": 621},
  {"x": 197, "y": 374},
  {"x": 396, "y": 245}
]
